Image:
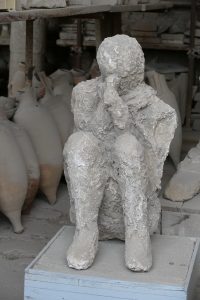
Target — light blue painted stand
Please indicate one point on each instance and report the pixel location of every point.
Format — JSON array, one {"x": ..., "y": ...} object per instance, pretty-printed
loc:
[{"x": 171, "y": 278}]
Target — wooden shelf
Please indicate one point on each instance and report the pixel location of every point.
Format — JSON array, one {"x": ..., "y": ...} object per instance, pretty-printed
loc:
[
  {"x": 165, "y": 47},
  {"x": 70, "y": 11},
  {"x": 142, "y": 7},
  {"x": 70, "y": 43},
  {"x": 77, "y": 10}
]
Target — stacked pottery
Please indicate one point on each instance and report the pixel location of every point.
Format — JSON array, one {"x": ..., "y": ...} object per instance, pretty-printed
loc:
[
  {"x": 59, "y": 112},
  {"x": 31, "y": 163},
  {"x": 62, "y": 83},
  {"x": 44, "y": 135},
  {"x": 78, "y": 76},
  {"x": 13, "y": 176}
]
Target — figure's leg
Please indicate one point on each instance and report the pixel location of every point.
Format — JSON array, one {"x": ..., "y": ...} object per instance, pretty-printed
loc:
[
  {"x": 154, "y": 212},
  {"x": 86, "y": 170},
  {"x": 133, "y": 181}
]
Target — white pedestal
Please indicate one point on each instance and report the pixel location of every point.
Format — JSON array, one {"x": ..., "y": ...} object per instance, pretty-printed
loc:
[{"x": 172, "y": 276}]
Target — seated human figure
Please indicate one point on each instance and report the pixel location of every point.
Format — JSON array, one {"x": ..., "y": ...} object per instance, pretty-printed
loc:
[{"x": 114, "y": 159}]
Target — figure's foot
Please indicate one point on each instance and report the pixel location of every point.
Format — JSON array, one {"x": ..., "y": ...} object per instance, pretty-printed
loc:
[
  {"x": 138, "y": 255},
  {"x": 83, "y": 249}
]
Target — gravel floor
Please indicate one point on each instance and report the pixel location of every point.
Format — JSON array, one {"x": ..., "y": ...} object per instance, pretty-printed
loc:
[{"x": 17, "y": 251}]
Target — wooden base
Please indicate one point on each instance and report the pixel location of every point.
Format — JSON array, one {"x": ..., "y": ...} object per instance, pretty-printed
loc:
[{"x": 171, "y": 278}]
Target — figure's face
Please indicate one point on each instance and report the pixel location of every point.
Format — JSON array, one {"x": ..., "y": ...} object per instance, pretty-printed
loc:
[
  {"x": 121, "y": 62},
  {"x": 121, "y": 57}
]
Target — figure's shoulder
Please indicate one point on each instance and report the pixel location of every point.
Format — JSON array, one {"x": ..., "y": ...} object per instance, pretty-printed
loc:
[
  {"x": 157, "y": 103},
  {"x": 144, "y": 101},
  {"x": 86, "y": 87},
  {"x": 154, "y": 102},
  {"x": 140, "y": 97}
]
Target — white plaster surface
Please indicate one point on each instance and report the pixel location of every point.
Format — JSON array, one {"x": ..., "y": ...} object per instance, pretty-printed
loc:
[{"x": 170, "y": 267}]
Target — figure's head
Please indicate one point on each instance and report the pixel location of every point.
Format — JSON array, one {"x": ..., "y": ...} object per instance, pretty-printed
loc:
[{"x": 123, "y": 57}]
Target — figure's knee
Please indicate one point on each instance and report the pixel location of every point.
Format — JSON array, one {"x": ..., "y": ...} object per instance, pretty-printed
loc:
[
  {"x": 82, "y": 148},
  {"x": 128, "y": 148}
]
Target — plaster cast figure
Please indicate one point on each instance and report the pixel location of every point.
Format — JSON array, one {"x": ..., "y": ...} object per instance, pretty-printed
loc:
[{"x": 114, "y": 159}]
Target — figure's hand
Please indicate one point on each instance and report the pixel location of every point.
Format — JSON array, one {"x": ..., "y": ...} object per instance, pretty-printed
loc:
[{"x": 115, "y": 105}]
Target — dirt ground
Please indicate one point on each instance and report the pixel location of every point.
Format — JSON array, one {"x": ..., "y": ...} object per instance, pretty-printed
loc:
[{"x": 17, "y": 251}]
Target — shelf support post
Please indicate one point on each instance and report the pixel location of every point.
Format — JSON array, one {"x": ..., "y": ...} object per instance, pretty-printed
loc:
[{"x": 29, "y": 45}]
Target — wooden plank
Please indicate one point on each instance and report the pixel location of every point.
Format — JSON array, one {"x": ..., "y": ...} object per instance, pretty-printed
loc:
[
  {"x": 51, "y": 13},
  {"x": 77, "y": 10},
  {"x": 193, "y": 18},
  {"x": 67, "y": 43},
  {"x": 116, "y": 23},
  {"x": 164, "y": 47},
  {"x": 142, "y": 7},
  {"x": 29, "y": 45},
  {"x": 104, "y": 28},
  {"x": 98, "y": 32}
]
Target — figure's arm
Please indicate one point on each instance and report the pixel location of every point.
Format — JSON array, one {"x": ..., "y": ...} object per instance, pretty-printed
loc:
[
  {"x": 84, "y": 102},
  {"x": 165, "y": 126},
  {"x": 163, "y": 122},
  {"x": 155, "y": 124}
]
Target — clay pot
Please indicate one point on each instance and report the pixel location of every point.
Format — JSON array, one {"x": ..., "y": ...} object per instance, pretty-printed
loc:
[
  {"x": 31, "y": 162},
  {"x": 30, "y": 159},
  {"x": 94, "y": 71},
  {"x": 39, "y": 89},
  {"x": 46, "y": 141},
  {"x": 62, "y": 116},
  {"x": 158, "y": 82},
  {"x": 13, "y": 177},
  {"x": 62, "y": 82},
  {"x": 78, "y": 76}
]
